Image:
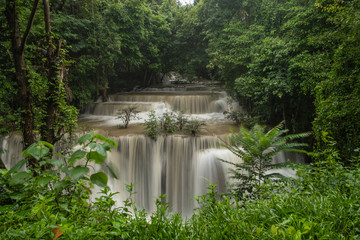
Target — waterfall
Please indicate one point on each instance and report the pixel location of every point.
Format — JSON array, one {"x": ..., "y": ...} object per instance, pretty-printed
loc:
[
  {"x": 12, "y": 146},
  {"x": 187, "y": 102},
  {"x": 181, "y": 167},
  {"x": 177, "y": 166}
]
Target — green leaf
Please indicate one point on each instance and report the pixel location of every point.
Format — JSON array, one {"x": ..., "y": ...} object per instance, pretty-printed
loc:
[
  {"x": 49, "y": 145},
  {"x": 19, "y": 178},
  {"x": 6, "y": 208},
  {"x": 78, "y": 172},
  {"x": 107, "y": 140},
  {"x": 17, "y": 166},
  {"x": 36, "y": 151},
  {"x": 18, "y": 196},
  {"x": 95, "y": 156},
  {"x": 85, "y": 138},
  {"x": 79, "y": 154},
  {"x": 54, "y": 162},
  {"x": 59, "y": 186},
  {"x": 274, "y": 230},
  {"x": 111, "y": 171},
  {"x": 99, "y": 179},
  {"x": 106, "y": 146},
  {"x": 43, "y": 181}
]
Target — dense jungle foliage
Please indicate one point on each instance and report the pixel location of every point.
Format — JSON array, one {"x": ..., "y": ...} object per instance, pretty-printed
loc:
[
  {"x": 322, "y": 203},
  {"x": 292, "y": 60},
  {"x": 296, "y": 61}
]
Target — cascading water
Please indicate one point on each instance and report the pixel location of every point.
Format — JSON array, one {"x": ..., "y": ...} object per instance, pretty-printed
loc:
[
  {"x": 181, "y": 167},
  {"x": 177, "y": 166},
  {"x": 12, "y": 146}
]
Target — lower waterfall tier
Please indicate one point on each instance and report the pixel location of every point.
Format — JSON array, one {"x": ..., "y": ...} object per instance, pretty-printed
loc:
[{"x": 179, "y": 167}]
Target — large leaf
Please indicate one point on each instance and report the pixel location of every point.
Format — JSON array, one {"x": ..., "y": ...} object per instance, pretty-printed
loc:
[
  {"x": 98, "y": 153},
  {"x": 17, "y": 166},
  {"x": 85, "y": 138},
  {"x": 19, "y": 178},
  {"x": 95, "y": 156},
  {"x": 36, "y": 150},
  {"x": 59, "y": 186},
  {"x": 107, "y": 140},
  {"x": 55, "y": 162},
  {"x": 99, "y": 179},
  {"x": 99, "y": 148},
  {"x": 49, "y": 145},
  {"x": 43, "y": 181},
  {"x": 79, "y": 154},
  {"x": 111, "y": 171},
  {"x": 78, "y": 172}
]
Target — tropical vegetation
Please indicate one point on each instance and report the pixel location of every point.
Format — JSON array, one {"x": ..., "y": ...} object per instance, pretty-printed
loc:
[
  {"x": 256, "y": 150},
  {"x": 54, "y": 203},
  {"x": 296, "y": 61}
]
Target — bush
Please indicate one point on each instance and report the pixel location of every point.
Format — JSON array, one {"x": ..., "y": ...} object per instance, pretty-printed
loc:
[
  {"x": 126, "y": 115},
  {"x": 168, "y": 123},
  {"x": 34, "y": 202},
  {"x": 241, "y": 118},
  {"x": 193, "y": 127},
  {"x": 310, "y": 207},
  {"x": 256, "y": 149},
  {"x": 322, "y": 203},
  {"x": 181, "y": 121},
  {"x": 152, "y": 127}
]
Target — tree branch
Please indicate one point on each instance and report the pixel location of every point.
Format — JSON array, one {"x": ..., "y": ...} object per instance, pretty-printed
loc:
[{"x": 29, "y": 25}]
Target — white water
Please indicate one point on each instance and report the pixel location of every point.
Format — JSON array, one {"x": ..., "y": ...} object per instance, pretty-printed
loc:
[{"x": 181, "y": 167}]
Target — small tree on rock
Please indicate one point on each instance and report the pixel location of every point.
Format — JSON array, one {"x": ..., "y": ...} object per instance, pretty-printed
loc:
[{"x": 127, "y": 114}]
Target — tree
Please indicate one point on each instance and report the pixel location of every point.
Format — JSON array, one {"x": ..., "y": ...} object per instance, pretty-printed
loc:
[
  {"x": 127, "y": 114},
  {"x": 337, "y": 94},
  {"x": 18, "y": 44},
  {"x": 59, "y": 114},
  {"x": 48, "y": 100},
  {"x": 256, "y": 149}
]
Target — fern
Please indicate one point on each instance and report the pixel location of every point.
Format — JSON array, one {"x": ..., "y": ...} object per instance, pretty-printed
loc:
[{"x": 256, "y": 149}]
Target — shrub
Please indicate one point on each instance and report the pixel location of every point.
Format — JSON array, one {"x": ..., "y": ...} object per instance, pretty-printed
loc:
[
  {"x": 168, "y": 123},
  {"x": 181, "y": 121},
  {"x": 34, "y": 202},
  {"x": 152, "y": 128},
  {"x": 193, "y": 127},
  {"x": 256, "y": 149},
  {"x": 127, "y": 114},
  {"x": 241, "y": 118}
]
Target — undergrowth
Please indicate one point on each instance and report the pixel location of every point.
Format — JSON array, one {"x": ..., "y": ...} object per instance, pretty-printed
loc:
[{"x": 322, "y": 203}]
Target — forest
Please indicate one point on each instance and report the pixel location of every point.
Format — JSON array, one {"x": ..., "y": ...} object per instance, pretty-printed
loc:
[{"x": 291, "y": 61}]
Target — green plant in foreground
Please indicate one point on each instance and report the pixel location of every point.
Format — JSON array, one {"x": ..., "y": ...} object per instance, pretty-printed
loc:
[
  {"x": 50, "y": 194},
  {"x": 256, "y": 149}
]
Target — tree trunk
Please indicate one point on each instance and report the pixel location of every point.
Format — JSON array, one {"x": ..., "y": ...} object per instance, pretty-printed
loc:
[
  {"x": 284, "y": 114},
  {"x": 104, "y": 91},
  {"x": 49, "y": 131},
  {"x": 18, "y": 44}
]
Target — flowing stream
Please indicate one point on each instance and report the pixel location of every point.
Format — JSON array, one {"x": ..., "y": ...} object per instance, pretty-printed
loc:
[{"x": 179, "y": 166}]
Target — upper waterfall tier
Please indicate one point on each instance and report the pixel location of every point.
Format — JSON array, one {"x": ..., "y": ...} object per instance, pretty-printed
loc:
[{"x": 186, "y": 102}]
